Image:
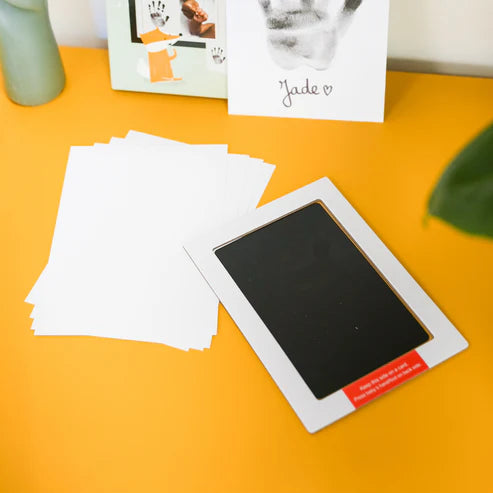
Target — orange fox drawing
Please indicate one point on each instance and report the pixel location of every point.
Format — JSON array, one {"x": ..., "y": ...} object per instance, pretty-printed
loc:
[{"x": 157, "y": 43}]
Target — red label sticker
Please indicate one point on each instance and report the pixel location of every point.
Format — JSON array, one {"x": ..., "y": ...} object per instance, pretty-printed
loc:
[{"x": 385, "y": 378}]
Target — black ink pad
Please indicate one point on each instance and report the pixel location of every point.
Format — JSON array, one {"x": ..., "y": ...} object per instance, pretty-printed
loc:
[{"x": 329, "y": 309}]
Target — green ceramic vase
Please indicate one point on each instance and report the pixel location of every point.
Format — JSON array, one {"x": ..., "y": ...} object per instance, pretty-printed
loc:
[{"x": 31, "y": 64}]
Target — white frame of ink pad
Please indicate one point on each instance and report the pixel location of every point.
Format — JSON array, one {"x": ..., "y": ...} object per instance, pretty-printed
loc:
[{"x": 315, "y": 413}]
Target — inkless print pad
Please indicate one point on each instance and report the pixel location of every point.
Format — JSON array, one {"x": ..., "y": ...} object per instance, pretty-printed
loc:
[{"x": 330, "y": 312}]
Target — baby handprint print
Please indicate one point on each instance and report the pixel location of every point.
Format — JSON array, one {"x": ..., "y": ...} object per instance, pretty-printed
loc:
[
  {"x": 156, "y": 13},
  {"x": 306, "y": 32},
  {"x": 323, "y": 59}
]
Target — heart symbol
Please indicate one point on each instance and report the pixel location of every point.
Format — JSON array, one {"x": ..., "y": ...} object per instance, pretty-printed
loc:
[{"x": 328, "y": 89}]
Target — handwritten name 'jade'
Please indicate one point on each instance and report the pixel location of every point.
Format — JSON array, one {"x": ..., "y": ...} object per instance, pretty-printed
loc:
[{"x": 307, "y": 88}]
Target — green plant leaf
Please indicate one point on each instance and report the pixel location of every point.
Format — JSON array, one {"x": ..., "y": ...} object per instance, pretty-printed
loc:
[{"x": 463, "y": 196}]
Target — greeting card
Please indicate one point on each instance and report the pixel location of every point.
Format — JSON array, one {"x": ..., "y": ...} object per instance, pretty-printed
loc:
[
  {"x": 323, "y": 59},
  {"x": 169, "y": 47}
]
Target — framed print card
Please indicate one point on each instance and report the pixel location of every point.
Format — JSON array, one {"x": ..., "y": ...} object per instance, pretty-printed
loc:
[
  {"x": 168, "y": 46},
  {"x": 322, "y": 59}
]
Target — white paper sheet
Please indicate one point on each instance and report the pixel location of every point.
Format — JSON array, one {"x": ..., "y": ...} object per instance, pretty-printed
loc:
[{"x": 117, "y": 267}]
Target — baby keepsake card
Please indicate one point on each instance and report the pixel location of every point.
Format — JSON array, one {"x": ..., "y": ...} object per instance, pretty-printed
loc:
[
  {"x": 322, "y": 59},
  {"x": 168, "y": 47}
]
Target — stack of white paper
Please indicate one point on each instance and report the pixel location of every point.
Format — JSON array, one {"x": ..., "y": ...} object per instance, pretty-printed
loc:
[{"x": 117, "y": 267}]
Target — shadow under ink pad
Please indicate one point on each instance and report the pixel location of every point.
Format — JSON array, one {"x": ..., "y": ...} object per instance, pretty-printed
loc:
[{"x": 329, "y": 309}]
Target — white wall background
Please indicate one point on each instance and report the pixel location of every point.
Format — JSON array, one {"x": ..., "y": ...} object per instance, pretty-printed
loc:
[{"x": 446, "y": 36}]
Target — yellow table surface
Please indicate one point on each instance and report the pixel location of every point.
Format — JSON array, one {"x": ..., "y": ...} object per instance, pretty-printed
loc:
[{"x": 91, "y": 415}]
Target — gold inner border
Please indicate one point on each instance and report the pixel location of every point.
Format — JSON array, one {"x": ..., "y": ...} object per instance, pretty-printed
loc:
[{"x": 375, "y": 268}]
